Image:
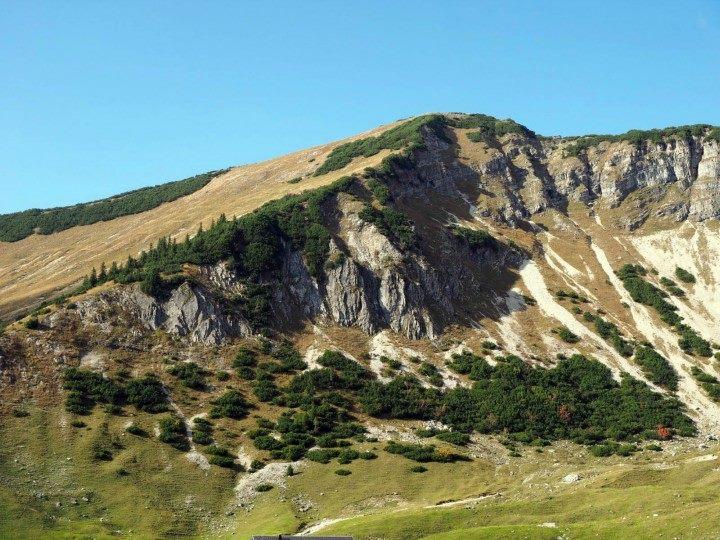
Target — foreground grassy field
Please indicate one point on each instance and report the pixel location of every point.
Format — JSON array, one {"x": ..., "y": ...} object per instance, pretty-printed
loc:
[{"x": 51, "y": 488}]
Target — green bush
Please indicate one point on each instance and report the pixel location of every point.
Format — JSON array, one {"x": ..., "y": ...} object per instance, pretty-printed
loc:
[
  {"x": 342, "y": 472},
  {"x": 657, "y": 368},
  {"x": 32, "y": 323},
  {"x": 709, "y": 383},
  {"x": 147, "y": 394},
  {"x": 645, "y": 293},
  {"x": 172, "y": 432},
  {"x": 692, "y": 343},
  {"x": 566, "y": 335},
  {"x": 190, "y": 375},
  {"x": 231, "y": 404},
  {"x": 263, "y": 487},
  {"x": 454, "y": 437},
  {"x": 322, "y": 455},
  {"x": 86, "y": 388},
  {"x": 423, "y": 453},
  {"x": 134, "y": 429},
  {"x": 476, "y": 239},
  {"x": 202, "y": 431},
  {"x": 610, "y": 332},
  {"x": 683, "y": 275},
  {"x": 390, "y": 222}
]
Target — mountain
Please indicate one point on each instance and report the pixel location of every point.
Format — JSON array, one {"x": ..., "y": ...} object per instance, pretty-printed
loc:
[{"x": 373, "y": 336}]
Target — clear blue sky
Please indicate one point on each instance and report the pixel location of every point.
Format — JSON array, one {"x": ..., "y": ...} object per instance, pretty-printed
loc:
[{"x": 100, "y": 97}]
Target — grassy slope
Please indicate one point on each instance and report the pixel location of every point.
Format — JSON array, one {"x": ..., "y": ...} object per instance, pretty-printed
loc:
[{"x": 616, "y": 497}]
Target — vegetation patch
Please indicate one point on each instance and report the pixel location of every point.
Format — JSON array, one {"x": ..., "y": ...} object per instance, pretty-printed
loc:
[
  {"x": 476, "y": 239},
  {"x": 566, "y": 334},
  {"x": 657, "y": 368},
  {"x": 190, "y": 374},
  {"x": 611, "y": 333},
  {"x": 671, "y": 287},
  {"x": 232, "y": 404},
  {"x": 202, "y": 431},
  {"x": 488, "y": 127},
  {"x": 391, "y": 223},
  {"x": 14, "y": 227},
  {"x": 645, "y": 293},
  {"x": 709, "y": 383},
  {"x": 172, "y": 432},
  {"x": 407, "y": 135},
  {"x": 639, "y": 137},
  {"x": 423, "y": 453},
  {"x": 683, "y": 275}
]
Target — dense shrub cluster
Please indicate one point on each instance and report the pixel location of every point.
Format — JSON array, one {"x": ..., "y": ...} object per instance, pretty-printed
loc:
[
  {"x": 202, "y": 431},
  {"x": 172, "y": 432},
  {"x": 671, "y": 286},
  {"x": 577, "y": 399},
  {"x": 466, "y": 363},
  {"x": 222, "y": 457},
  {"x": 566, "y": 334},
  {"x": 645, "y": 293},
  {"x": 683, "y": 275},
  {"x": 147, "y": 394},
  {"x": 14, "y": 227},
  {"x": 692, "y": 343},
  {"x": 657, "y": 368},
  {"x": 86, "y": 388},
  {"x": 232, "y": 404}
]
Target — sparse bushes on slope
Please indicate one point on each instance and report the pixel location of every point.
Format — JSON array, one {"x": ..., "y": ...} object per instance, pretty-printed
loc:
[{"x": 610, "y": 332}]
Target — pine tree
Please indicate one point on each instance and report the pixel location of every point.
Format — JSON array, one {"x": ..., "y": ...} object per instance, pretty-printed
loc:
[
  {"x": 93, "y": 279},
  {"x": 102, "y": 277}
]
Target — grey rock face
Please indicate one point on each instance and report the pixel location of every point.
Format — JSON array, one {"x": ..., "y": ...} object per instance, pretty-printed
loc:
[{"x": 190, "y": 311}]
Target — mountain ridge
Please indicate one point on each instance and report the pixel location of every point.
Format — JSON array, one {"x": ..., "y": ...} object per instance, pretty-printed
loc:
[{"x": 472, "y": 299}]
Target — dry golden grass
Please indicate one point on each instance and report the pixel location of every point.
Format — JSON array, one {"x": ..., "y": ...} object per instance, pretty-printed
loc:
[{"x": 36, "y": 267}]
